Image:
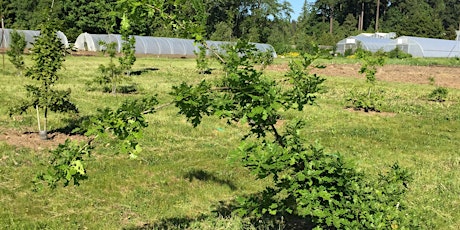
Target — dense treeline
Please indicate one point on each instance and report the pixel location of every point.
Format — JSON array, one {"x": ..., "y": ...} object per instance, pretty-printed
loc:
[{"x": 267, "y": 21}]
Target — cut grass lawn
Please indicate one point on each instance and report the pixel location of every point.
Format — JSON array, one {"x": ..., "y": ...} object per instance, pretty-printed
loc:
[{"x": 184, "y": 173}]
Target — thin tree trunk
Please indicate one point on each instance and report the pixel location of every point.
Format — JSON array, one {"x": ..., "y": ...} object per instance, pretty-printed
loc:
[
  {"x": 362, "y": 17},
  {"x": 377, "y": 17},
  {"x": 331, "y": 20}
]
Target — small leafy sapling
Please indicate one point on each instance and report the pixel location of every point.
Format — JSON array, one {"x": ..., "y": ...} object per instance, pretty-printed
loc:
[
  {"x": 128, "y": 48},
  {"x": 202, "y": 62},
  {"x": 439, "y": 94},
  {"x": 196, "y": 26},
  {"x": 48, "y": 56},
  {"x": 124, "y": 124},
  {"x": 371, "y": 99},
  {"x": 16, "y": 51},
  {"x": 112, "y": 75}
]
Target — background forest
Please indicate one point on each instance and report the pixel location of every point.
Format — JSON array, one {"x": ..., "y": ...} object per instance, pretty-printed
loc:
[{"x": 266, "y": 21}]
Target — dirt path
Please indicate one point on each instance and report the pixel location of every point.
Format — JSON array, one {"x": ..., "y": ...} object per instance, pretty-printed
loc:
[{"x": 444, "y": 76}]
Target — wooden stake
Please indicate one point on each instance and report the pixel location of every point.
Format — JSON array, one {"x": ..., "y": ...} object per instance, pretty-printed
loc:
[{"x": 38, "y": 118}]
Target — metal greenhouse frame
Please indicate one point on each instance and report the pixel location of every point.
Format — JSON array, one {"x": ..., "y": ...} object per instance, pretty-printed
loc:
[
  {"x": 29, "y": 36},
  {"x": 154, "y": 45}
]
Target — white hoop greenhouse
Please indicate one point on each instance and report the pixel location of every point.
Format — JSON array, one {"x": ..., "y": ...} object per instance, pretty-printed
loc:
[
  {"x": 429, "y": 47},
  {"x": 29, "y": 36},
  {"x": 369, "y": 43},
  {"x": 154, "y": 45}
]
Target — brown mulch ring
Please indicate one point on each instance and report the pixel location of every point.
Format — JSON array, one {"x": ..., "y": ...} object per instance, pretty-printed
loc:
[
  {"x": 32, "y": 140},
  {"x": 444, "y": 76}
]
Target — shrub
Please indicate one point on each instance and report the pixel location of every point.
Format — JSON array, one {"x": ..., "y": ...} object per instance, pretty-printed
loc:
[
  {"x": 439, "y": 94},
  {"x": 322, "y": 189},
  {"x": 365, "y": 100},
  {"x": 398, "y": 53},
  {"x": 348, "y": 52},
  {"x": 17, "y": 46}
]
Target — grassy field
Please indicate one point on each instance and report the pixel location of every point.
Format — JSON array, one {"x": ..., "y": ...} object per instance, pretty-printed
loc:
[{"x": 185, "y": 173}]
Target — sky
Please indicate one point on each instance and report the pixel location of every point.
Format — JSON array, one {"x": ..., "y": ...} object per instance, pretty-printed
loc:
[{"x": 297, "y": 7}]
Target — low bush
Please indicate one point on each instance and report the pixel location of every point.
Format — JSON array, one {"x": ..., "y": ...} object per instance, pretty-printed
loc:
[
  {"x": 322, "y": 189},
  {"x": 365, "y": 100},
  {"x": 398, "y": 54}
]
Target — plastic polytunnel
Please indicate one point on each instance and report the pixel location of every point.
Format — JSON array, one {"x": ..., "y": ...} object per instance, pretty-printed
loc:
[
  {"x": 429, "y": 47},
  {"x": 29, "y": 35},
  {"x": 154, "y": 45},
  {"x": 369, "y": 43}
]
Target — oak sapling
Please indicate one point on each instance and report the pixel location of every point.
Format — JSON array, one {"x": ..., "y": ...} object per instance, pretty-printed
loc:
[
  {"x": 112, "y": 75},
  {"x": 372, "y": 98},
  {"x": 48, "y": 56},
  {"x": 307, "y": 183}
]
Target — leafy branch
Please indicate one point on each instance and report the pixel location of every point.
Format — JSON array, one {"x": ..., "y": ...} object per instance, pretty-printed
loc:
[
  {"x": 245, "y": 95},
  {"x": 321, "y": 188},
  {"x": 125, "y": 124}
]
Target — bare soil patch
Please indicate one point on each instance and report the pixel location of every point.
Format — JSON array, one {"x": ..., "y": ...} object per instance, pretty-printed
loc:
[
  {"x": 32, "y": 140},
  {"x": 444, "y": 76}
]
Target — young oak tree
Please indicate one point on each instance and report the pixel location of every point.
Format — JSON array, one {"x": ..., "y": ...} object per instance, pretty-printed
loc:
[
  {"x": 370, "y": 99},
  {"x": 48, "y": 56},
  {"x": 320, "y": 189},
  {"x": 112, "y": 75}
]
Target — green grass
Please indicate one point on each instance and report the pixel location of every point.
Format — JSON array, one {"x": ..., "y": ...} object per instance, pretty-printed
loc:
[{"x": 184, "y": 173}]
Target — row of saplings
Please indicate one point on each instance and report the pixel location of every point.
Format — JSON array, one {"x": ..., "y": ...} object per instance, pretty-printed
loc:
[{"x": 309, "y": 187}]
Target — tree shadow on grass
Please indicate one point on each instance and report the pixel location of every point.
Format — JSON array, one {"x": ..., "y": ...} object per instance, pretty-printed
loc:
[
  {"x": 73, "y": 127},
  {"x": 287, "y": 221},
  {"x": 168, "y": 223},
  {"x": 144, "y": 70},
  {"x": 122, "y": 89},
  {"x": 202, "y": 175},
  {"x": 226, "y": 210}
]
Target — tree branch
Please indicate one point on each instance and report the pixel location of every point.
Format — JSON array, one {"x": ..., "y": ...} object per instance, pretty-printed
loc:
[{"x": 278, "y": 137}]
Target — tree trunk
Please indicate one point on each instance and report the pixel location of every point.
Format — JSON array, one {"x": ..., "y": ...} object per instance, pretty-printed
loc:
[
  {"x": 362, "y": 17},
  {"x": 377, "y": 17},
  {"x": 331, "y": 20}
]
